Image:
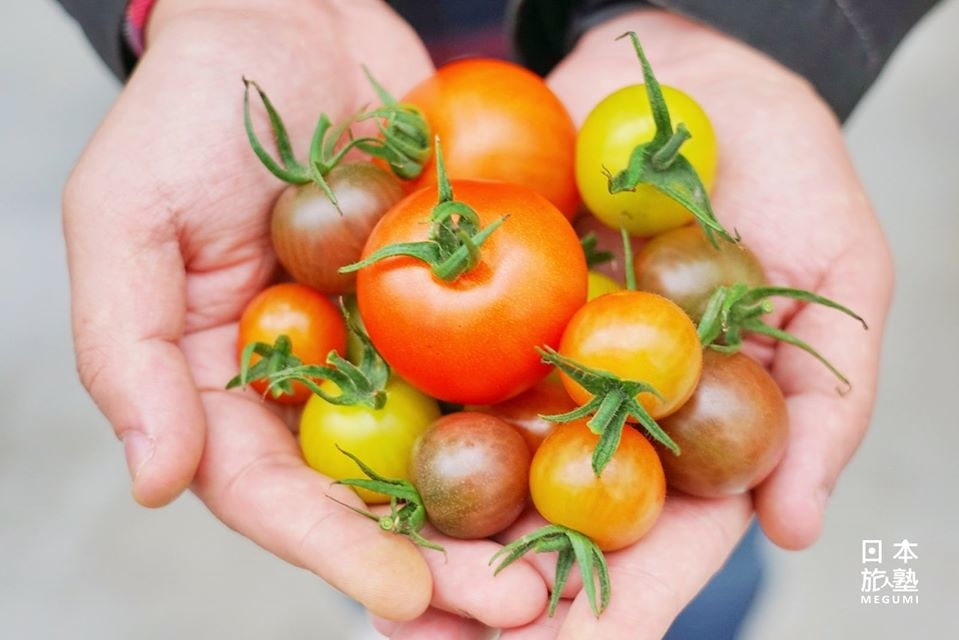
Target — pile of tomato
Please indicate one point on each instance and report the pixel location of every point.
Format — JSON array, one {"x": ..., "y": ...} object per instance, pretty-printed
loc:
[{"x": 456, "y": 351}]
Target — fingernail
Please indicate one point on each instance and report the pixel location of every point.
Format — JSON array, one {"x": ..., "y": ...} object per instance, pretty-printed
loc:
[{"x": 138, "y": 448}]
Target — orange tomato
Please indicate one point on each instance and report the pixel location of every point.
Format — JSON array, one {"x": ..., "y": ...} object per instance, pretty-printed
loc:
[
  {"x": 614, "y": 510},
  {"x": 499, "y": 121},
  {"x": 473, "y": 340},
  {"x": 313, "y": 324},
  {"x": 637, "y": 336},
  {"x": 547, "y": 397}
]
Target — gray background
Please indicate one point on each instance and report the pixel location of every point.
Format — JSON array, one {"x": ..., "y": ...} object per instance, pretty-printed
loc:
[{"x": 79, "y": 559}]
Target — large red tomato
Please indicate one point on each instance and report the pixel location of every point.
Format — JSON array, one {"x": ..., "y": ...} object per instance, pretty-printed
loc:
[
  {"x": 473, "y": 339},
  {"x": 498, "y": 121}
]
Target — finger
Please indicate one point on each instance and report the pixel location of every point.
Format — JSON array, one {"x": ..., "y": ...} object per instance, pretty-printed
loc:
[
  {"x": 441, "y": 624},
  {"x": 127, "y": 279},
  {"x": 545, "y": 627},
  {"x": 253, "y": 478},
  {"x": 826, "y": 427},
  {"x": 212, "y": 357},
  {"x": 383, "y": 626},
  {"x": 464, "y": 584},
  {"x": 463, "y": 580},
  {"x": 653, "y": 580}
]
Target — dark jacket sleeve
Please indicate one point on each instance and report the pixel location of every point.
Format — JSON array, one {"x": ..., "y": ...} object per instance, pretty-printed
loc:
[
  {"x": 840, "y": 46},
  {"x": 102, "y": 22}
]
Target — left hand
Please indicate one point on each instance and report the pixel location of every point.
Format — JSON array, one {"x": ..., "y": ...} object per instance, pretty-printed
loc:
[{"x": 787, "y": 185}]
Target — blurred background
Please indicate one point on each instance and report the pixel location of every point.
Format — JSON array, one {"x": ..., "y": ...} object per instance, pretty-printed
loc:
[{"x": 79, "y": 559}]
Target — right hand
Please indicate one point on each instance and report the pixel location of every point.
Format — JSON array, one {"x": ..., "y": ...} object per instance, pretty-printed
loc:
[{"x": 166, "y": 218}]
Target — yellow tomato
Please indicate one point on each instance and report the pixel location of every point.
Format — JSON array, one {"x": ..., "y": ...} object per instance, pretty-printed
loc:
[
  {"x": 381, "y": 438},
  {"x": 608, "y": 136},
  {"x": 599, "y": 284}
]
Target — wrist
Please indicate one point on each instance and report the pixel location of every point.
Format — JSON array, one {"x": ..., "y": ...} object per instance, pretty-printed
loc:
[
  {"x": 685, "y": 54},
  {"x": 165, "y": 13},
  {"x": 672, "y": 40}
]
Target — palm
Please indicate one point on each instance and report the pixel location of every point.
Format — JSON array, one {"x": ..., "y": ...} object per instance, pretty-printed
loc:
[
  {"x": 786, "y": 184},
  {"x": 185, "y": 216}
]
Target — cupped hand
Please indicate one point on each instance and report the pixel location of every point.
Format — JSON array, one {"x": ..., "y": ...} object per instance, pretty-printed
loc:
[
  {"x": 786, "y": 183},
  {"x": 166, "y": 218}
]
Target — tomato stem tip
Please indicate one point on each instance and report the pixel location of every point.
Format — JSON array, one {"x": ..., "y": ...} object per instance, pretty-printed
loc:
[{"x": 573, "y": 547}]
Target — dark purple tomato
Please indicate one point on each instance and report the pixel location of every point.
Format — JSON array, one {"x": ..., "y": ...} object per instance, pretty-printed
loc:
[
  {"x": 313, "y": 239},
  {"x": 732, "y": 431},
  {"x": 683, "y": 266},
  {"x": 472, "y": 471}
]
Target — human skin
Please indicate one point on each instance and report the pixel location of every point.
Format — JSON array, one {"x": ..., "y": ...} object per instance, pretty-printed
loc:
[
  {"x": 166, "y": 219},
  {"x": 786, "y": 183}
]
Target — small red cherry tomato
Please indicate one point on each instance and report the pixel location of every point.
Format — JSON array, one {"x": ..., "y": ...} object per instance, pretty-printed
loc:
[{"x": 313, "y": 324}]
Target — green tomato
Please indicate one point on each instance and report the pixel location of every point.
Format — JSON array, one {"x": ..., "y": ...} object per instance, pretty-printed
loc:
[
  {"x": 381, "y": 438},
  {"x": 608, "y": 136}
]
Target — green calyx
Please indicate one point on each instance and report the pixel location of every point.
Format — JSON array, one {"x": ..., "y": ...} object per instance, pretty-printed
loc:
[
  {"x": 404, "y": 143},
  {"x": 660, "y": 164},
  {"x": 455, "y": 236},
  {"x": 733, "y": 310},
  {"x": 407, "y": 514},
  {"x": 360, "y": 384},
  {"x": 594, "y": 255},
  {"x": 614, "y": 400},
  {"x": 573, "y": 547}
]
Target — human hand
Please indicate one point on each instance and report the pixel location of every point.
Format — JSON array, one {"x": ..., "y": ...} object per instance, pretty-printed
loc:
[
  {"x": 786, "y": 183},
  {"x": 166, "y": 220}
]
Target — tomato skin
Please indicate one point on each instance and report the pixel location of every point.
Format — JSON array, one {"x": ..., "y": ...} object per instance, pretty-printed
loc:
[
  {"x": 472, "y": 471},
  {"x": 683, "y": 266},
  {"x": 611, "y": 131},
  {"x": 637, "y": 336},
  {"x": 600, "y": 284},
  {"x": 732, "y": 432},
  {"x": 381, "y": 438},
  {"x": 313, "y": 324},
  {"x": 614, "y": 510},
  {"x": 312, "y": 238},
  {"x": 524, "y": 412},
  {"x": 527, "y": 138},
  {"x": 473, "y": 340}
]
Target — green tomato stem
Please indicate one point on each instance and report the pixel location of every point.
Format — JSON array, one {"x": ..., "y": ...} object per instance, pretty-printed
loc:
[
  {"x": 614, "y": 401},
  {"x": 663, "y": 158},
  {"x": 573, "y": 547},
  {"x": 404, "y": 141},
  {"x": 659, "y": 163},
  {"x": 628, "y": 269},
  {"x": 359, "y": 384},
  {"x": 455, "y": 237},
  {"x": 407, "y": 512},
  {"x": 736, "y": 309}
]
